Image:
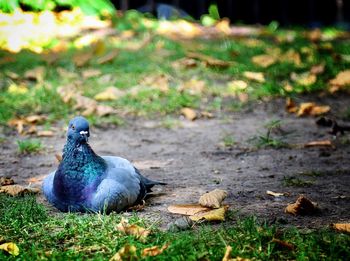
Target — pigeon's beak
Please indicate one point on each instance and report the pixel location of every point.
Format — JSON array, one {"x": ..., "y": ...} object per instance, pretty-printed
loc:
[{"x": 85, "y": 135}]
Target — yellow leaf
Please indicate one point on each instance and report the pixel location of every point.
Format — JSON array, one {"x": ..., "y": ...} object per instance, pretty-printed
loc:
[
  {"x": 127, "y": 252},
  {"x": 18, "y": 190},
  {"x": 4, "y": 181},
  {"x": 213, "y": 198},
  {"x": 342, "y": 79},
  {"x": 302, "y": 206},
  {"x": 236, "y": 86},
  {"x": 160, "y": 82},
  {"x": 154, "y": 251},
  {"x": 17, "y": 89},
  {"x": 342, "y": 227},
  {"x": 291, "y": 56},
  {"x": 135, "y": 230},
  {"x": 45, "y": 133},
  {"x": 227, "y": 256},
  {"x": 209, "y": 61},
  {"x": 319, "y": 143},
  {"x": 310, "y": 108},
  {"x": 256, "y": 76},
  {"x": 274, "y": 194},
  {"x": 305, "y": 79},
  {"x": 193, "y": 86},
  {"x": 110, "y": 94},
  {"x": 19, "y": 123},
  {"x": 189, "y": 113},
  {"x": 291, "y": 107},
  {"x": 211, "y": 215},
  {"x": 108, "y": 57},
  {"x": 10, "y": 248},
  {"x": 224, "y": 26},
  {"x": 187, "y": 209},
  {"x": 37, "y": 74},
  {"x": 88, "y": 73},
  {"x": 264, "y": 60}
]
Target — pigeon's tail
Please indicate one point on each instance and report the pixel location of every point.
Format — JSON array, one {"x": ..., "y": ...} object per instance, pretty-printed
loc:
[{"x": 148, "y": 183}]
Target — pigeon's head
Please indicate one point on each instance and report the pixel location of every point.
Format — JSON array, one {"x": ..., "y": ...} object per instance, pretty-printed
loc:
[{"x": 78, "y": 130}]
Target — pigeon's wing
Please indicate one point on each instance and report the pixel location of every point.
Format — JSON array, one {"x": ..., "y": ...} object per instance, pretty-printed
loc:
[
  {"x": 121, "y": 188},
  {"x": 47, "y": 188}
]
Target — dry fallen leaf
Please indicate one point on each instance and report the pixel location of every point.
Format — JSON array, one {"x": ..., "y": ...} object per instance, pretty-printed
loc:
[
  {"x": 305, "y": 79},
  {"x": 108, "y": 57},
  {"x": 319, "y": 143},
  {"x": 160, "y": 82},
  {"x": 302, "y": 206},
  {"x": 187, "y": 209},
  {"x": 10, "y": 248},
  {"x": 274, "y": 194},
  {"x": 135, "y": 230},
  {"x": 88, "y": 73},
  {"x": 213, "y": 198},
  {"x": 189, "y": 113},
  {"x": 209, "y": 61},
  {"x": 291, "y": 56},
  {"x": 63, "y": 73},
  {"x": 154, "y": 251},
  {"x": 36, "y": 74},
  {"x": 317, "y": 69},
  {"x": 256, "y": 76},
  {"x": 45, "y": 133},
  {"x": 18, "y": 190},
  {"x": 127, "y": 252},
  {"x": 193, "y": 86},
  {"x": 341, "y": 227},
  {"x": 283, "y": 244},
  {"x": 19, "y": 123},
  {"x": 4, "y": 181},
  {"x": 211, "y": 215},
  {"x": 227, "y": 256},
  {"x": 310, "y": 108},
  {"x": 342, "y": 79},
  {"x": 35, "y": 118},
  {"x": 291, "y": 107},
  {"x": 109, "y": 94},
  {"x": 264, "y": 60},
  {"x": 236, "y": 86},
  {"x": 58, "y": 157},
  {"x": 184, "y": 63},
  {"x": 81, "y": 59}
]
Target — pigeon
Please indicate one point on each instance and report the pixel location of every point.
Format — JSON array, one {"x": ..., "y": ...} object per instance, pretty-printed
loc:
[{"x": 86, "y": 182}]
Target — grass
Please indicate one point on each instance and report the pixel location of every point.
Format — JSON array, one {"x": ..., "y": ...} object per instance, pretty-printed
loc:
[
  {"x": 29, "y": 146},
  {"x": 296, "y": 182},
  {"x": 40, "y": 235}
]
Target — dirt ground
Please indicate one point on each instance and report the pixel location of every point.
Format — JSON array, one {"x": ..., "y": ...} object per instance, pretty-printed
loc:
[{"x": 192, "y": 160}]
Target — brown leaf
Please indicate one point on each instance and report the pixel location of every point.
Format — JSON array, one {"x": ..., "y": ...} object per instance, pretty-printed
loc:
[
  {"x": 109, "y": 94},
  {"x": 160, "y": 82},
  {"x": 81, "y": 59},
  {"x": 291, "y": 107},
  {"x": 18, "y": 190},
  {"x": 193, "y": 86},
  {"x": 256, "y": 76},
  {"x": 154, "y": 251},
  {"x": 34, "y": 118},
  {"x": 127, "y": 252},
  {"x": 189, "y": 113},
  {"x": 103, "y": 110},
  {"x": 209, "y": 61},
  {"x": 213, "y": 198},
  {"x": 291, "y": 56},
  {"x": 108, "y": 57},
  {"x": 45, "y": 133},
  {"x": 319, "y": 143},
  {"x": 184, "y": 63},
  {"x": 302, "y": 206},
  {"x": 58, "y": 157},
  {"x": 187, "y": 209},
  {"x": 135, "y": 230},
  {"x": 341, "y": 227},
  {"x": 264, "y": 60},
  {"x": 317, "y": 69},
  {"x": 88, "y": 73},
  {"x": 274, "y": 194},
  {"x": 211, "y": 215},
  {"x": 36, "y": 74},
  {"x": 310, "y": 108},
  {"x": 4, "y": 181},
  {"x": 284, "y": 244},
  {"x": 19, "y": 123},
  {"x": 10, "y": 248},
  {"x": 227, "y": 256}
]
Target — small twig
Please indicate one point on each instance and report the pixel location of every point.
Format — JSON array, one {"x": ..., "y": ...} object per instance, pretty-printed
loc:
[{"x": 335, "y": 128}]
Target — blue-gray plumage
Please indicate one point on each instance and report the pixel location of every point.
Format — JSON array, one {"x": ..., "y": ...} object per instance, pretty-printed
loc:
[{"x": 85, "y": 181}]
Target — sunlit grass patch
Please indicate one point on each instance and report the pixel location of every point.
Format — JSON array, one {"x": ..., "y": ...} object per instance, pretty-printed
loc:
[{"x": 29, "y": 146}]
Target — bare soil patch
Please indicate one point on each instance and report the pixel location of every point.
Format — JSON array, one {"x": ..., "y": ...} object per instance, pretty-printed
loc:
[{"x": 192, "y": 160}]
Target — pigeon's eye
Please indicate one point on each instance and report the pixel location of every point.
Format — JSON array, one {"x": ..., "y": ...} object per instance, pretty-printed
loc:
[{"x": 73, "y": 128}]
